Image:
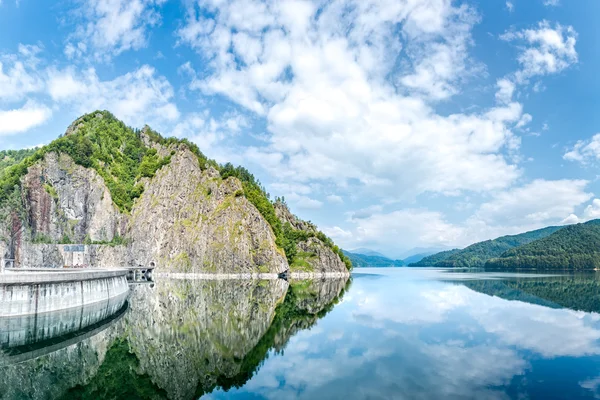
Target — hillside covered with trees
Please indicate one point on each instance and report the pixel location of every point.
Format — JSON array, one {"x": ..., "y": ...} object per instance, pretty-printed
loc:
[
  {"x": 433, "y": 259},
  {"x": 476, "y": 255},
  {"x": 362, "y": 261},
  {"x": 572, "y": 247}
]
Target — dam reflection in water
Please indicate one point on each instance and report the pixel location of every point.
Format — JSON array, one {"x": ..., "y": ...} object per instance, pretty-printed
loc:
[{"x": 176, "y": 339}]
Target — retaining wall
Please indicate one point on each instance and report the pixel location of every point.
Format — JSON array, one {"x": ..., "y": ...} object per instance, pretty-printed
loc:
[{"x": 41, "y": 291}]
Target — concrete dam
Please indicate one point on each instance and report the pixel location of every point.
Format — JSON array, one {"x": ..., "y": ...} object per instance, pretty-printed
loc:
[{"x": 34, "y": 292}]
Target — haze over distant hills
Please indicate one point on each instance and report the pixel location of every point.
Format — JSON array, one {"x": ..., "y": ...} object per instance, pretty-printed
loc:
[
  {"x": 367, "y": 252},
  {"x": 555, "y": 247}
]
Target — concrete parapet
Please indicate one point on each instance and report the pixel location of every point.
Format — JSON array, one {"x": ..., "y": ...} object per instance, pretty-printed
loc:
[{"x": 39, "y": 291}]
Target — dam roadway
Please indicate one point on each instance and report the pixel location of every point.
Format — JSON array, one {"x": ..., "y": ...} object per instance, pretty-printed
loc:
[{"x": 36, "y": 291}]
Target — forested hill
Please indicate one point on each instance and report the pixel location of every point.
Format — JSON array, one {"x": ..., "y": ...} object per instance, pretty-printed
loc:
[
  {"x": 361, "y": 260},
  {"x": 476, "y": 255},
  {"x": 433, "y": 259},
  {"x": 572, "y": 247},
  {"x": 138, "y": 193}
]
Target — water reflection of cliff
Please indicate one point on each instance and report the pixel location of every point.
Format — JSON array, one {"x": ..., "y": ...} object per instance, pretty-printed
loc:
[
  {"x": 577, "y": 292},
  {"x": 178, "y": 340}
]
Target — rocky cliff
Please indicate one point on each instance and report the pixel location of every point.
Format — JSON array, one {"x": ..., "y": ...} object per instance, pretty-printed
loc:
[{"x": 130, "y": 197}]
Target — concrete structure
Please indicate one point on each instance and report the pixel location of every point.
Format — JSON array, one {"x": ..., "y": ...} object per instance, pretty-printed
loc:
[
  {"x": 30, "y": 336},
  {"x": 28, "y": 292}
]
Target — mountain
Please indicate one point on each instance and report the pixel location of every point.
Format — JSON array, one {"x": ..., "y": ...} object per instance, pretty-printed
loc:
[
  {"x": 433, "y": 259},
  {"x": 476, "y": 255},
  {"x": 417, "y": 257},
  {"x": 572, "y": 247},
  {"x": 132, "y": 197},
  {"x": 361, "y": 260},
  {"x": 422, "y": 250},
  {"x": 366, "y": 252}
]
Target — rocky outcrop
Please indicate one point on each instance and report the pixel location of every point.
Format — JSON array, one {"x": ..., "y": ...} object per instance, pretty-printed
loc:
[
  {"x": 320, "y": 258},
  {"x": 186, "y": 219},
  {"x": 200, "y": 224},
  {"x": 285, "y": 216},
  {"x": 314, "y": 258},
  {"x": 67, "y": 202}
]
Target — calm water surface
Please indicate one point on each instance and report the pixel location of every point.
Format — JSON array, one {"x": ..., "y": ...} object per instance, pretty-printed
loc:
[{"x": 389, "y": 334}]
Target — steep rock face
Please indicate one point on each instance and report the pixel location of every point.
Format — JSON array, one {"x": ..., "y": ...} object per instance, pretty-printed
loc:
[
  {"x": 201, "y": 223},
  {"x": 320, "y": 258},
  {"x": 313, "y": 255},
  {"x": 285, "y": 216},
  {"x": 64, "y": 200}
]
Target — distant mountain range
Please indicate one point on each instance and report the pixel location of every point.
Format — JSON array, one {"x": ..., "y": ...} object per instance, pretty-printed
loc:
[
  {"x": 555, "y": 247},
  {"x": 378, "y": 261},
  {"x": 367, "y": 252}
]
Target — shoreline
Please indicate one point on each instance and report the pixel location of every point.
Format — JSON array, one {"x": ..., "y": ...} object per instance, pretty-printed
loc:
[{"x": 248, "y": 275}]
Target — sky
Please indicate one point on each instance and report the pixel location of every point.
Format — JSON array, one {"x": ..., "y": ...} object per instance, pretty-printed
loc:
[{"x": 391, "y": 124}]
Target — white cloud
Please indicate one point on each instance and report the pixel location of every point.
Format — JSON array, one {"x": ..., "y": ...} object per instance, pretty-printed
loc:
[
  {"x": 335, "y": 199},
  {"x": 585, "y": 151},
  {"x": 22, "y": 119},
  {"x": 18, "y": 73},
  {"x": 510, "y": 6},
  {"x": 303, "y": 202},
  {"x": 551, "y": 3},
  {"x": 548, "y": 49},
  {"x": 112, "y": 27},
  {"x": 539, "y": 203},
  {"x": 506, "y": 89},
  {"x": 592, "y": 211},
  {"x": 338, "y": 107},
  {"x": 531, "y": 206},
  {"x": 137, "y": 97},
  {"x": 397, "y": 230}
]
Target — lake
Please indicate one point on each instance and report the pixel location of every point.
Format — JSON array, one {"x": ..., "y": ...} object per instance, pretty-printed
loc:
[{"x": 385, "y": 334}]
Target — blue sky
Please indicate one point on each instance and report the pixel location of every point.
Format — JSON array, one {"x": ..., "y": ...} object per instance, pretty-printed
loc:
[{"x": 391, "y": 124}]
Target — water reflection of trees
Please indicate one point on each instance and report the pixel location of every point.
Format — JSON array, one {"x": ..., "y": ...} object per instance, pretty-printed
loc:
[
  {"x": 577, "y": 292},
  {"x": 179, "y": 340}
]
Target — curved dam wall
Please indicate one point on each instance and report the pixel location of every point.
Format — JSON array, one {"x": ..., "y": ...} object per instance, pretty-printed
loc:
[{"x": 28, "y": 292}]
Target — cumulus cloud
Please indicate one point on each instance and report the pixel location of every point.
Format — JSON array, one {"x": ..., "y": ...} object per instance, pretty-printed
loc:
[
  {"x": 24, "y": 118},
  {"x": 524, "y": 208},
  {"x": 112, "y": 27},
  {"x": 215, "y": 136},
  {"x": 585, "y": 151},
  {"x": 137, "y": 97},
  {"x": 547, "y": 49},
  {"x": 540, "y": 202},
  {"x": 335, "y": 199},
  {"x": 347, "y": 100},
  {"x": 18, "y": 76},
  {"x": 403, "y": 229},
  {"x": 592, "y": 211}
]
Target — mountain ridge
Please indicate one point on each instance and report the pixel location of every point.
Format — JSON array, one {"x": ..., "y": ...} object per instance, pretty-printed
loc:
[
  {"x": 476, "y": 255},
  {"x": 363, "y": 261},
  {"x": 120, "y": 192}
]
